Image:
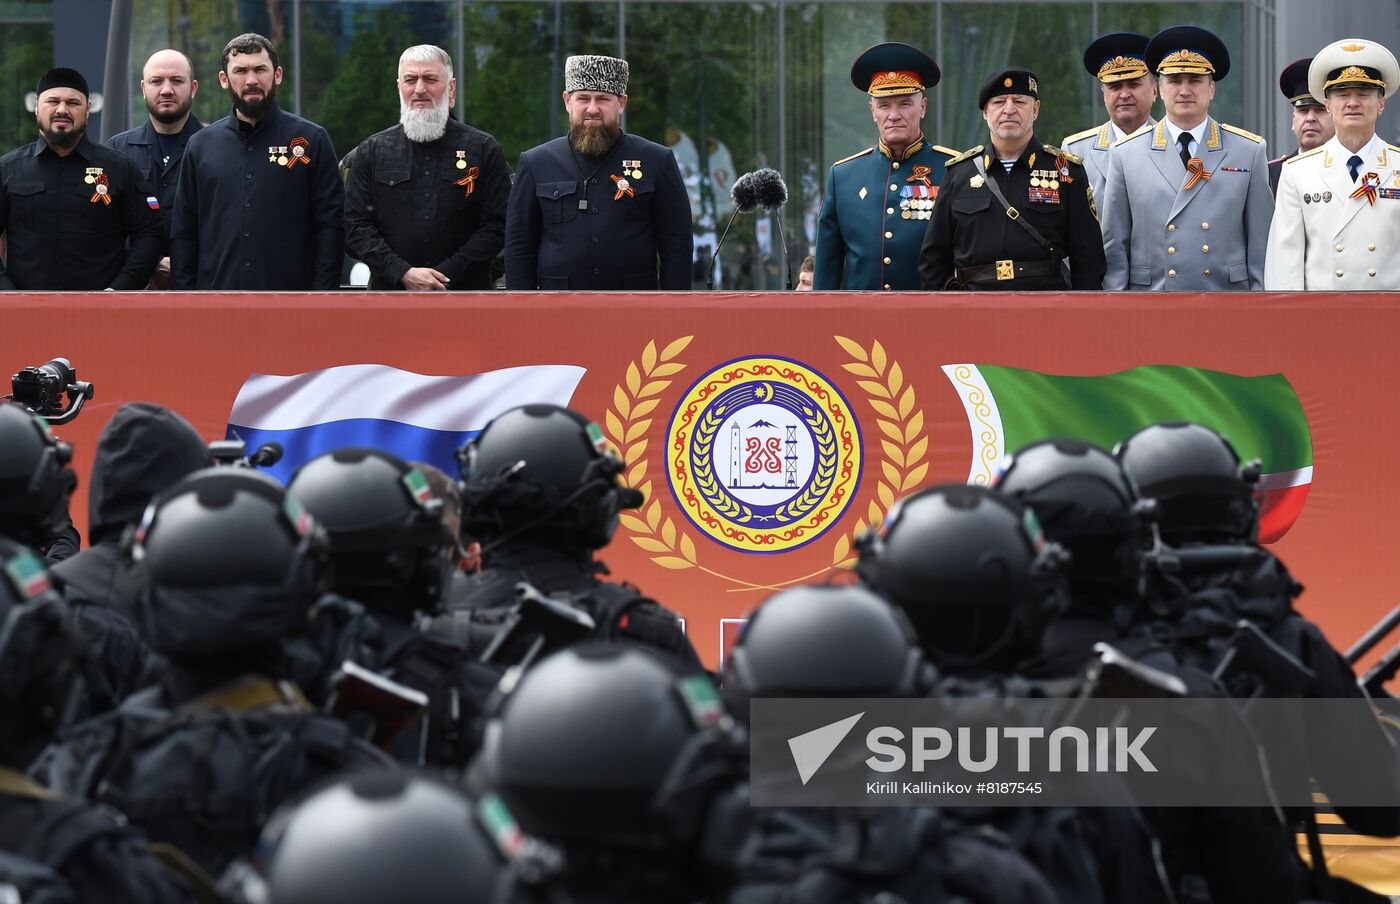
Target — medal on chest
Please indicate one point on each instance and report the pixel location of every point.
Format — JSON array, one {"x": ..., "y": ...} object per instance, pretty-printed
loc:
[
  {"x": 624, "y": 188},
  {"x": 101, "y": 189},
  {"x": 916, "y": 202},
  {"x": 1044, "y": 187},
  {"x": 632, "y": 168}
]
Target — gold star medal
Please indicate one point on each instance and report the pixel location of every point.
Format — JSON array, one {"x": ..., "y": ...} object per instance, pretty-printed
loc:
[
  {"x": 632, "y": 168},
  {"x": 461, "y": 160}
]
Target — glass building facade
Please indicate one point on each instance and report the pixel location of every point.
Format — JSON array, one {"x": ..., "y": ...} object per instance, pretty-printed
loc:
[{"x": 731, "y": 86}]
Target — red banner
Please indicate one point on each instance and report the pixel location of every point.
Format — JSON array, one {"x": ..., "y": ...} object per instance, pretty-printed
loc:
[{"x": 768, "y": 431}]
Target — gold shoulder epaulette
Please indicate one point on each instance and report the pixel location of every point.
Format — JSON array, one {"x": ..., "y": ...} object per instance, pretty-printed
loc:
[
  {"x": 942, "y": 150},
  {"x": 965, "y": 155},
  {"x": 1242, "y": 133},
  {"x": 1087, "y": 133},
  {"x": 1145, "y": 130},
  {"x": 1306, "y": 154},
  {"x": 853, "y": 156},
  {"x": 1055, "y": 152}
]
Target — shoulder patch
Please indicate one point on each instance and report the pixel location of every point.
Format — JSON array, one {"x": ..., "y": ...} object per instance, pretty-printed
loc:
[
  {"x": 853, "y": 156},
  {"x": 966, "y": 155},
  {"x": 1145, "y": 130},
  {"x": 1087, "y": 133},
  {"x": 1305, "y": 155},
  {"x": 1242, "y": 133},
  {"x": 942, "y": 150},
  {"x": 1054, "y": 151}
]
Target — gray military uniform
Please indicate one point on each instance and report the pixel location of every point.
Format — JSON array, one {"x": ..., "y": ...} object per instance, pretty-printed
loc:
[
  {"x": 1161, "y": 236},
  {"x": 1092, "y": 146}
]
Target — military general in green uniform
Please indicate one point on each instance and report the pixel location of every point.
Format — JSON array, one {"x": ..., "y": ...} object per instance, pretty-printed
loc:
[{"x": 878, "y": 202}]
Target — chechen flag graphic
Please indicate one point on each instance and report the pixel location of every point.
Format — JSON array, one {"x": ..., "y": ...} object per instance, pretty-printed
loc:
[
  {"x": 1008, "y": 408},
  {"x": 415, "y": 416}
]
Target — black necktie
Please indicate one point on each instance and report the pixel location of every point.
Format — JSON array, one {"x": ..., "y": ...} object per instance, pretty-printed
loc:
[
  {"x": 1184, "y": 139},
  {"x": 1354, "y": 164}
]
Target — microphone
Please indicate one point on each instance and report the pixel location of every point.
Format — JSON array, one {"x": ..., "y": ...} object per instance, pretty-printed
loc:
[
  {"x": 748, "y": 192},
  {"x": 268, "y": 454},
  {"x": 772, "y": 194}
]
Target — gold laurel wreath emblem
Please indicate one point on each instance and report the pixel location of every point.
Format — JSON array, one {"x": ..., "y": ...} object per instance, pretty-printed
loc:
[
  {"x": 626, "y": 424},
  {"x": 901, "y": 421}
]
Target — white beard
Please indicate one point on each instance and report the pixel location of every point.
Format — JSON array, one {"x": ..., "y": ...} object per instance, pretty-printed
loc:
[{"x": 422, "y": 126}]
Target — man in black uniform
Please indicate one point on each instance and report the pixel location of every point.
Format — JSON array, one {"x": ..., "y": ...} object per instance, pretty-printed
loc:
[
  {"x": 425, "y": 202},
  {"x": 75, "y": 215},
  {"x": 599, "y": 208},
  {"x": 1312, "y": 125},
  {"x": 156, "y": 146},
  {"x": 224, "y": 568},
  {"x": 65, "y": 843},
  {"x": 1007, "y": 216},
  {"x": 540, "y": 491},
  {"x": 260, "y": 204}
]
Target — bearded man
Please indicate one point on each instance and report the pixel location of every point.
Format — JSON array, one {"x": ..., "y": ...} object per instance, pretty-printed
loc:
[
  {"x": 260, "y": 204},
  {"x": 158, "y": 144},
  {"x": 425, "y": 204},
  {"x": 75, "y": 215},
  {"x": 598, "y": 209}
]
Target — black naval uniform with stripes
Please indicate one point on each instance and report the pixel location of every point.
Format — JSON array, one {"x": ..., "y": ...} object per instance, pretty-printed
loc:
[{"x": 971, "y": 232}]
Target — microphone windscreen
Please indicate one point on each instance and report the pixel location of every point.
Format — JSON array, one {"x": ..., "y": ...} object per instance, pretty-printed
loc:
[
  {"x": 745, "y": 193},
  {"x": 769, "y": 188}
]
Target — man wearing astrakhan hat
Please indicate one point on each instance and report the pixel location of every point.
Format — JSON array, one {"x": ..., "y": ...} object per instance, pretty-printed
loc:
[
  {"x": 879, "y": 200},
  {"x": 1312, "y": 124},
  {"x": 1011, "y": 214},
  {"x": 1186, "y": 205},
  {"x": 598, "y": 209},
  {"x": 1337, "y": 220},
  {"x": 1129, "y": 91}
]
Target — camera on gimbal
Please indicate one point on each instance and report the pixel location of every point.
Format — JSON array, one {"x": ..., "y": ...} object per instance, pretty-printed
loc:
[{"x": 52, "y": 391}]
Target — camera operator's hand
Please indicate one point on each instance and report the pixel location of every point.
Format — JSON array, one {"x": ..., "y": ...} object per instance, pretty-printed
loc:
[
  {"x": 424, "y": 279},
  {"x": 160, "y": 279}
]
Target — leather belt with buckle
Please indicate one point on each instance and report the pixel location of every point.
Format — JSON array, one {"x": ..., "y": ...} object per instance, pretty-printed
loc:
[{"x": 1004, "y": 270}]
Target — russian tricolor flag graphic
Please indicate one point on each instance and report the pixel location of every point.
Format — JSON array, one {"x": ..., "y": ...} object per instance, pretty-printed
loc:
[{"x": 415, "y": 416}]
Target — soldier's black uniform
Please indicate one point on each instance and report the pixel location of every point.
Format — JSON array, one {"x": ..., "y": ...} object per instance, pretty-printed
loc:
[
  {"x": 589, "y": 223},
  {"x": 143, "y": 146},
  {"x": 971, "y": 238},
  {"x": 65, "y": 233},
  {"x": 439, "y": 204},
  {"x": 259, "y": 207}
]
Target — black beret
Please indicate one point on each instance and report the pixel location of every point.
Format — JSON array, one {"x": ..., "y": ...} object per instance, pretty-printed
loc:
[
  {"x": 62, "y": 77},
  {"x": 1008, "y": 81}
]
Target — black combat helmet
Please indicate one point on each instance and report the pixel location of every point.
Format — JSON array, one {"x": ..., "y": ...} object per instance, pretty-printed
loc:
[
  {"x": 225, "y": 562},
  {"x": 390, "y": 548},
  {"x": 387, "y": 836},
  {"x": 1203, "y": 492},
  {"x": 824, "y": 642},
  {"x": 35, "y": 480},
  {"x": 970, "y": 568},
  {"x": 39, "y": 656},
  {"x": 608, "y": 746},
  {"x": 542, "y": 472},
  {"x": 1085, "y": 503}
]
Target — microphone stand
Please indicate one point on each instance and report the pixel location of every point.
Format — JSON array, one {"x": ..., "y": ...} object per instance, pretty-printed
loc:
[
  {"x": 787, "y": 265},
  {"x": 710, "y": 282}
]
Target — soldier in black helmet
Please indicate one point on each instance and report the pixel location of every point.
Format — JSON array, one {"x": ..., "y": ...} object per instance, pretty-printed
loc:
[
  {"x": 50, "y": 845},
  {"x": 225, "y": 568},
  {"x": 1210, "y": 575},
  {"x": 392, "y": 552},
  {"x": 1086, "y": 503},
  {"x": 35, "y": 485},
  {"x": 980, "y": 583},
  {"x": 540, "y": 491},
  {"x": 847, "y": 642},
  {"x": 615, "y": 755},
  {"x": 432, "y": 844}
]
